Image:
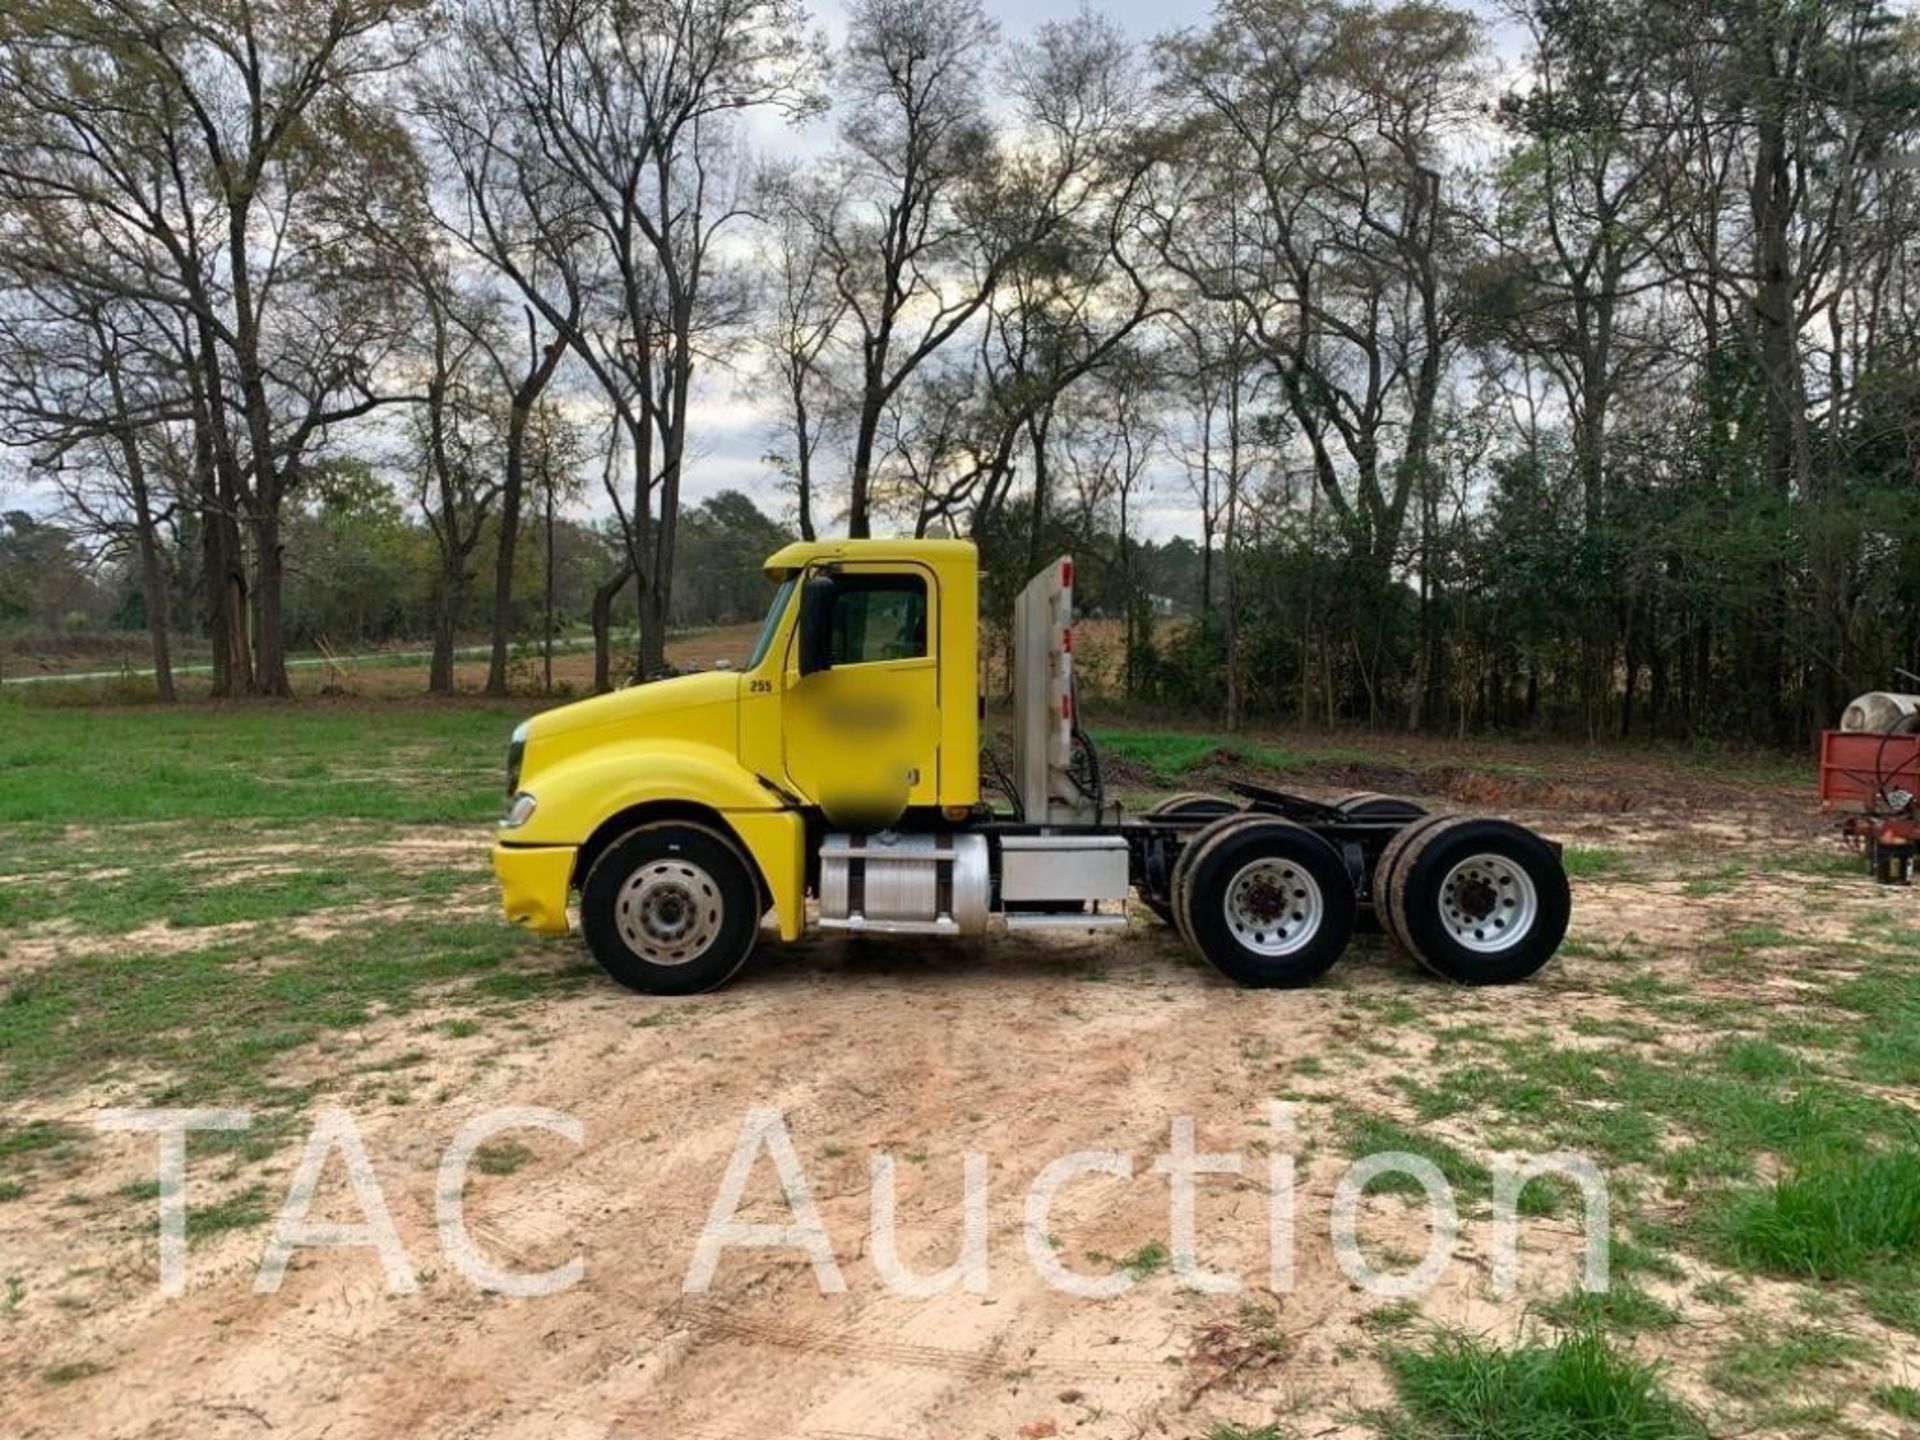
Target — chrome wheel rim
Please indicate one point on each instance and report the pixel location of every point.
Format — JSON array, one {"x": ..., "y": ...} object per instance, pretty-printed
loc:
[
  {"x": 1488, "y": 904},
  {"x": 668, "y": 912},
  {"x": 1274, "y": 907}
]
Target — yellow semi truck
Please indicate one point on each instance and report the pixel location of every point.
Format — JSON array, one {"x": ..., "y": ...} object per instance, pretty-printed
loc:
[{"x": 841, "y": 763}]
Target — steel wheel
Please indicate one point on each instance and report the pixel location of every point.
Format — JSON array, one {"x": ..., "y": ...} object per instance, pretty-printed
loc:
[
  {"x": 1477, "y": 901},
  {"x": 671, "y": 908},
  {"x": 1268, "y": 902},
  {"x": 1274, "y": 907},
  {"x": 1488, "y": 904},
  {"x": 669, "y": 912}
]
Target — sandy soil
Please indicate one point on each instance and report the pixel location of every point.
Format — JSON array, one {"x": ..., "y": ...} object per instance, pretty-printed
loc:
[{"x": 1022, "y": 1050}]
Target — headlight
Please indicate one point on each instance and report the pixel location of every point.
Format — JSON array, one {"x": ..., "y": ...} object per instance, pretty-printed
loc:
[
  {"x": 516, "y": 752},
  {"x": 519, "y": 811}
]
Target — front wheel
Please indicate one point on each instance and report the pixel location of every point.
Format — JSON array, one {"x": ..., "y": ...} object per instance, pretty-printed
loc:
[
  {"x": 1269, "y": 903},
  {"x": 670, "y": 909},
  {"x": 1477, "y": 901}
]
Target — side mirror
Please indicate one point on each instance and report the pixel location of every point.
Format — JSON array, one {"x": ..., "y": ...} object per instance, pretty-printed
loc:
[{"x": 816, "y": 624}]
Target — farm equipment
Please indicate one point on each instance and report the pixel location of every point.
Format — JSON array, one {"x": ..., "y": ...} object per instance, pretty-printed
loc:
[
  {"x": 1871, "y": 766},
  {"x": 843, "y": 762}
]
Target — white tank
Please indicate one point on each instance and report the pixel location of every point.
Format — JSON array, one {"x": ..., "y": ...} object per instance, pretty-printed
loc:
[{"x": 1880, "y": 711}]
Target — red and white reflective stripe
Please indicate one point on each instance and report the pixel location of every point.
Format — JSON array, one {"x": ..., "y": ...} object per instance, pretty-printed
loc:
[{"x": 1066, "y": 640}]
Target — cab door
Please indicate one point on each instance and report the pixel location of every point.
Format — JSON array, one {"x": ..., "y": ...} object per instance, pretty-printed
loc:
[{"x": 870, "y": 722}]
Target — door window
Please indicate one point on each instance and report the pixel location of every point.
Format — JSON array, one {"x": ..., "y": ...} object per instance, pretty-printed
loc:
[{"x": 879, "y": 617}]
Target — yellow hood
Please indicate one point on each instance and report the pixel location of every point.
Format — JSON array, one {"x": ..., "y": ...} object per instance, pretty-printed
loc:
[{"x": 669, "y": 709}]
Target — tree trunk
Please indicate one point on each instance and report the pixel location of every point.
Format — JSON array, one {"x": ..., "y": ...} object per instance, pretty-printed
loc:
[
  {"x": 514, "y": 485},
  {"x": 153, "y": 588},
  {"x": 446, "y": 613},
  {"x": 857, "y": 490},
  {"x": 1037, "y": 427},
  {"x": 269, "y": 636},
  {"x": 603, "y": 598},
  {"x": 802, "y": 454},
  {"x": 525, "y": 396},
  {"x": 654, "y": 604},
  {"x": 153, "y": 585},
  {"x": 546, "y": 622},
  {"x": 222, "y": 569}
]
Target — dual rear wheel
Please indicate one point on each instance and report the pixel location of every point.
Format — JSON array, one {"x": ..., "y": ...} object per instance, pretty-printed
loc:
[
  {"x": 1475, "y": 900},
  {"x": 1270, "y": 903},
  {"x": 1267, "y": 901}
]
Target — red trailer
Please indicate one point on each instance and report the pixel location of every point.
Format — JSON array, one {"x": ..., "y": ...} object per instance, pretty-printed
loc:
[{"x": 1877, "y": 777}]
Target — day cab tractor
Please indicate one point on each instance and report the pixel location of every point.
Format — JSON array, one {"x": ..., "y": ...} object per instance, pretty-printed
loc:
[{"x": 842, "y": 763}]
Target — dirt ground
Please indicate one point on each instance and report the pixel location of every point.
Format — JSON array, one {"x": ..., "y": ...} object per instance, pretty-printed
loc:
[{"x": 1021, "y": 1049}]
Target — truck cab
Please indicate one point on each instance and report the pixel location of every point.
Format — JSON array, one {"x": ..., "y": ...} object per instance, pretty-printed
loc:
[{"x": 841, "y": 765}]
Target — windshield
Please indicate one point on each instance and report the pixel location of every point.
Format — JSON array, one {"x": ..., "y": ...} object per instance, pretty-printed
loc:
[{"x": 772, "y": 622}]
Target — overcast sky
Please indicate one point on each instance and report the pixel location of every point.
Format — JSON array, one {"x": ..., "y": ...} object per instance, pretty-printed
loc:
[{"x": 729, "y": 434}]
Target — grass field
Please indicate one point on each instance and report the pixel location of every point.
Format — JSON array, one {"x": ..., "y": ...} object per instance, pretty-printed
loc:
[{"x": 287, "y": 907}]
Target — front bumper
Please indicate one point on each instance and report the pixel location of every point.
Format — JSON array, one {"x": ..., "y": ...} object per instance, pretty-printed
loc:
[{"x": 533, "y": 884}]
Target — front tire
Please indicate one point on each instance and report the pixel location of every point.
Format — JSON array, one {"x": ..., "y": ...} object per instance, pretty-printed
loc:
[
  {"x": 671, "y": 909},
  {"x": 1270, "y": 903}
]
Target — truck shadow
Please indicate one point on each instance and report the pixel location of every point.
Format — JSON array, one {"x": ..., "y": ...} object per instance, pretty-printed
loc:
[{"x": 1148, "y": 954}]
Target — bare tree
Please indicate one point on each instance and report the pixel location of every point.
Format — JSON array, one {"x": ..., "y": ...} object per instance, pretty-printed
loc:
[
  {"x": 804, "y": 311},
  {"x": 81, "y": 390},
  {"x": 165, "y": 153},
  {"x": 1315, "y": 132},
  {"x": 618, "y": 118}
]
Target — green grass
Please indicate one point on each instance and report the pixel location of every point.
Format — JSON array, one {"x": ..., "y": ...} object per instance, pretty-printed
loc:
[
  {"x": 1696, "y": 1119},
  {"x": 1392, "y": 1318},
  {"x": 1623, "y": 1309},
  {"x": 501, "y": 1157},
  {"x": 1587, "y": 861},
  {"x": 215, "y": 1020},
  {"x": 1832, "y": 1220},
  {"x": 1762, "y": 1364},
  {"x": 1150, "y": 1259},
  {"x": 69, "y": 1373},
  {"x": 36, "y": 1136},
  {"x": 236, "y": 1212},
  {"x": 198, "y": 894},
  {"x": 1886, "y": 993},
  {"x": 267, "y": 762},
  {"x": 1851, "y": 1219},
  {"x": 1170, "y": 757},
  {"x": 1900, "y": 1400},
  {"x": 1462, "y": 1388},
  {"x": 1363, "y": 1135}
]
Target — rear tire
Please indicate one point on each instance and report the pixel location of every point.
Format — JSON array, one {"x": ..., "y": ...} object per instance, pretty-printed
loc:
[
  {"x": 671, "y": 909},
  {"x": 1183, "y": 867},
  {"x": 1192, "y": 805},
  {"x": 1381, "y": 885},
  {"x": 1270, "y": 903},
  {"x": 1367, "y": 805},
  {"x": 1188, "y": 805},
  {"x": 1477, "y": 901}
]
